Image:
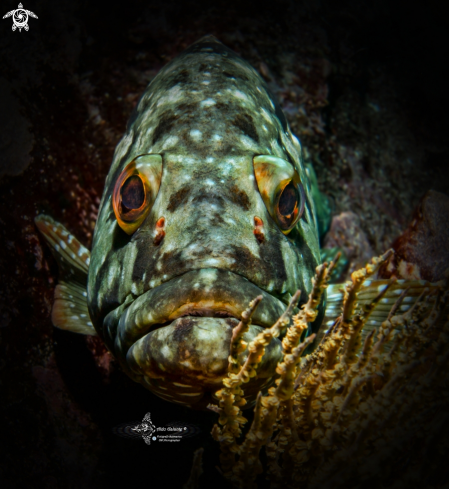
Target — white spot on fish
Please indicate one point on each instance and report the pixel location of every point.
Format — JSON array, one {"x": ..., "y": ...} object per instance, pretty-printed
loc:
[
  {"x": 266, "y": 116},
  {"x": 208, "y": 102},
  {"x": 173, "y": 95},
  {"x": 295, "y": 140},
  {"x": 83, "y": 316},
  {"x": 195, "y": 134},
  {"x": 74, "y": 317},
  {"x": 209, "y": 182},
  {"x": 212, "y": 262},
  {"x": 84, "y": 293},
  {"x": 56, "y": 246},
  {"x": 82, "y": 251},
  {"x": 165, "y": 350},
  {"x": 170, "y": 142},
  {"x": 63, "y": 245},
  {"x": 210, "y": 159},
  {"x": 247, "y": 142},
  {"x": 240, "y": 95},
  {"x": 205, "y": 82},
  {"x": 217, "y": 137}
]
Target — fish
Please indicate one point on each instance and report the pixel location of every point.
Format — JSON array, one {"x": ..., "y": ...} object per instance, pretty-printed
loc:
[{"x": 206, "y": 206}]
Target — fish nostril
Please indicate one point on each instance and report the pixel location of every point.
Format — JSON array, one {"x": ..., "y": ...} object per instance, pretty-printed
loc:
[
  {"x": 160, "y": 231},
  {"x": 258, "y": 229}
]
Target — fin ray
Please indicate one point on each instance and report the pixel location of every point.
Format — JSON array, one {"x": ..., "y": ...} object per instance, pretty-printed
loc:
[
  {"x": 70, "y": 311},
  {"x": 369, "y": 290},
  {"x": 72, "y": 257}
]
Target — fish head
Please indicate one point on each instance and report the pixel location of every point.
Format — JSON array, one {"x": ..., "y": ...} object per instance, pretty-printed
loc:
[{"x": 206, "y": 206}]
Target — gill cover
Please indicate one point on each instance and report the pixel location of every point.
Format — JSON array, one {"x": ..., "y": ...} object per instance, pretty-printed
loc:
[
  {"x": 281, "y": 190},
  {"x": 136, "y": 190}
]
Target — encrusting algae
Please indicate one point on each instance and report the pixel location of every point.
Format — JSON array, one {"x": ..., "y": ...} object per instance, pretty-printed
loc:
[{"x": 368, "y": 404}]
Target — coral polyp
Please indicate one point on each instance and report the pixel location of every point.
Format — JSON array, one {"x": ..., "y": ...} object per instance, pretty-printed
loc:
[{"x": 368, "y": 405}]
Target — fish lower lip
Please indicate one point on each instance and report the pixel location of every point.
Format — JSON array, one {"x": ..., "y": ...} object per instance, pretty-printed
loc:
[
  {"x": 191, "y": 356},
  {"x": 204, "y": 293}
]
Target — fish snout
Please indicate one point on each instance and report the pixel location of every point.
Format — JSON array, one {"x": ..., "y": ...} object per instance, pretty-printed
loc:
[{"x": 175, "y": 338}]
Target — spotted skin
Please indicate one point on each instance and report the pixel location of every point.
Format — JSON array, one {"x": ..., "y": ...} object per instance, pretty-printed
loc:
[{"x": 207, "y": 113}]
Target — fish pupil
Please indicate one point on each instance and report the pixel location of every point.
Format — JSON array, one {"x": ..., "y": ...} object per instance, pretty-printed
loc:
[
  {"x": 288, "y": 200},
  {"x": 132, "y": 194}
]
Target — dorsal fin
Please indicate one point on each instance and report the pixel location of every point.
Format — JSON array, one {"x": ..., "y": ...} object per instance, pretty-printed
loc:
[{"x": 70, "y": 310}]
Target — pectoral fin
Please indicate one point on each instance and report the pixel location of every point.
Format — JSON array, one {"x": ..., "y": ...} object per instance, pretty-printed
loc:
[
  {"x": 70, "y": 310},
  {"x": 369, "y": 291}
]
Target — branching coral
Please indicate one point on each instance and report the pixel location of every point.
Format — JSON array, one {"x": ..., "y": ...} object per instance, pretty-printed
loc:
[{"x": 347, "y": 412}]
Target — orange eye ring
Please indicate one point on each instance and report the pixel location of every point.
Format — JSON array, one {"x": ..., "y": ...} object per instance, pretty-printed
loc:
[
  {"x": 281, "y": 189},
  {"x": 135, "y": 191}
]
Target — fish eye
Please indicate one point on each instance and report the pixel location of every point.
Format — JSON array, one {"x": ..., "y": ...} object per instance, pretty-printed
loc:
[
  {"x": 290, "y": 205},
  {"x": 136, "y": 190},
  {"x": 132, "y": 194},
  {"x": 281, "y": 190}
]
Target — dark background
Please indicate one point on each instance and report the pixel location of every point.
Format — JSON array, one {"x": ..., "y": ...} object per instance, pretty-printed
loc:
[{"x": 363, "y": 85}]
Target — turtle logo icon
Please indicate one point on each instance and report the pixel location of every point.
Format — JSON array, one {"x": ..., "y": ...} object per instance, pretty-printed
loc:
[{"x": 20, "y": 18}]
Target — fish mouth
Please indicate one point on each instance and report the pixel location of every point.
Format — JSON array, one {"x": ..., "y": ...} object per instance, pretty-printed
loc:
[{"x": 176, "y": 337}]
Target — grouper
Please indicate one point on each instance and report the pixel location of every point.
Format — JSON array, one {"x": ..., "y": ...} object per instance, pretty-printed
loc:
[{"x": 207, "y": 205}]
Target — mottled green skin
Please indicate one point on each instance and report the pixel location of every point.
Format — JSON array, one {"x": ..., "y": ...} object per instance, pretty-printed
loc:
[{"x": 208, "y": 113}]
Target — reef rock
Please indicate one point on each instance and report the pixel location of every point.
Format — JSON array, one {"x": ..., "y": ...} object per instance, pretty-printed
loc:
[
  {"x": 422, "y": 250},
  {"x": 347, "y": 235}
]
